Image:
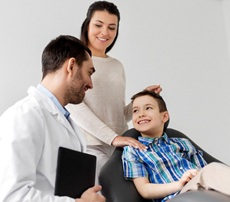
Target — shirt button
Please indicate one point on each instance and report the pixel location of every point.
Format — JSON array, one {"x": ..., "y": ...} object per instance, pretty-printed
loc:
[{"x": 181, "y": 168}]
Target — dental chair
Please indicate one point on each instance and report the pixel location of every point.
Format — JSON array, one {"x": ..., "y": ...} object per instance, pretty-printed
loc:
[{"x": 117, "y": 189}]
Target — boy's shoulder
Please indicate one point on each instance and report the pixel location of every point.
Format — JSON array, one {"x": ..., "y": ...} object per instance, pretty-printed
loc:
[{"x": 182, "y": 142}]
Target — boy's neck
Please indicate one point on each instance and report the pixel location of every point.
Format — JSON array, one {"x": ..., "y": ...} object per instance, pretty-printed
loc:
[{"x": 152, "y": 135}]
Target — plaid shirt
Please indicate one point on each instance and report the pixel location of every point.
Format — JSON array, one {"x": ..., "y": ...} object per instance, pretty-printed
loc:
[{"x": 165, "y": 160}]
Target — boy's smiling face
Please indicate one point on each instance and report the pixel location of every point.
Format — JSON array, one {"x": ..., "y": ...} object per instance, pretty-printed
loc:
[{"x": 147, "y": 117}]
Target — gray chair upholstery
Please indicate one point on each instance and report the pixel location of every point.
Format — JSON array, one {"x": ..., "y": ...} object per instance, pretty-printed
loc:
[{"x": 116, "y": 189}]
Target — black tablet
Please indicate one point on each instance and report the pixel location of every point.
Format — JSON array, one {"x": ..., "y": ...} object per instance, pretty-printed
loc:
[{"x": 75, "y": 172}]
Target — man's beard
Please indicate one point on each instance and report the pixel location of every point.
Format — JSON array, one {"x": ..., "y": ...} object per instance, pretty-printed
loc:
[{"x": 75, "y": 92}]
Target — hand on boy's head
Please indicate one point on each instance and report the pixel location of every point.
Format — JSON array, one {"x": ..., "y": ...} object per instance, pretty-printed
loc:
[
  {"x": 155, "y": 88},
  {"x": 120, "y": 141}
]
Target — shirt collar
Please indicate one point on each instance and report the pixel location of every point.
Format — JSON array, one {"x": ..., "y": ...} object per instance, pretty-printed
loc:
[
  {"x": 148, "y": 140},
  {"x": 63, "y": 110}
]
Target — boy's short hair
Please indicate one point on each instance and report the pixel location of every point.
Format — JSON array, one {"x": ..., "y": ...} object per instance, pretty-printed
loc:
[{"x": 160, "y": 101}]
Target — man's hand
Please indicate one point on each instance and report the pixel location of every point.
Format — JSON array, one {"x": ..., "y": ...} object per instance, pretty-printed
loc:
[{"x": 91, "y": 195}]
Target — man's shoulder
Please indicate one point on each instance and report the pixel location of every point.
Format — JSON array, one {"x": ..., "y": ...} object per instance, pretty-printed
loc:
[
  {"x": 22, "y": 107},
  {"x": 32, "y": 103}
]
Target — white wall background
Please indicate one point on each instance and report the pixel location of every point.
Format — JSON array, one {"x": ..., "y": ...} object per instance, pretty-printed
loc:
[{"x": 181, "y": 44}]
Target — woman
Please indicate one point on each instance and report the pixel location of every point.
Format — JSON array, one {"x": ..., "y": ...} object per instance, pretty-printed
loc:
[{"x": 103, "y": 115}]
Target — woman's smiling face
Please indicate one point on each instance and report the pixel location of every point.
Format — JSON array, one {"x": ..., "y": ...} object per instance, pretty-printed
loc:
[{"x": 102, "y": 31}]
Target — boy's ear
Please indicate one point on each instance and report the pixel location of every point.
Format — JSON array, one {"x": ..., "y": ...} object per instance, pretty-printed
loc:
[{"x": 165, "y": 116}]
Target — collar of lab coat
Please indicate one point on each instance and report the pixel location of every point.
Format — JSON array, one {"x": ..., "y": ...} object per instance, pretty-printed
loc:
[{"x": 48, "y": 104}]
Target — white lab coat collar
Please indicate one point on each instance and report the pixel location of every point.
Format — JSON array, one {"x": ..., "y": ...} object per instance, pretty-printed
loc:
[{"x": 48, "y": 104}]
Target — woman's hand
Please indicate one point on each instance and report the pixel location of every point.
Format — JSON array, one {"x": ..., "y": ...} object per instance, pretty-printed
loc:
[
  {"x": 121, "y": 141},
  {"x": 155, "y": 88}
]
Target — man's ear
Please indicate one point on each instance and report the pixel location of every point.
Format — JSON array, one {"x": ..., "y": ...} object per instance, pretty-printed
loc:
[{"x": 70, "y": 65}]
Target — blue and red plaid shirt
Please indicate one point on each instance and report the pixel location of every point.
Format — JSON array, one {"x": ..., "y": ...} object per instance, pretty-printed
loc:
[{"x": 165, "y": 160}]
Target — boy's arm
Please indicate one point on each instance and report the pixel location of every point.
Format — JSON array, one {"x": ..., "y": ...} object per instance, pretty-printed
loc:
[{"x": 154, "y": 191}]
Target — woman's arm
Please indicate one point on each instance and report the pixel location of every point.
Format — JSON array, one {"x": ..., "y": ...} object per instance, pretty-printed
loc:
[{"x": 87, "y": 120}]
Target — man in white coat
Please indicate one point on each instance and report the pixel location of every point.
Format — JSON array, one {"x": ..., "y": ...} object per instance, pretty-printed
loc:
[{"x": 32, "y": 130}]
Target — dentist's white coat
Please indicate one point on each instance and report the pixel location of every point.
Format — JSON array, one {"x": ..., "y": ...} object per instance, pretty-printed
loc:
[{"x": 31, "y": 132}]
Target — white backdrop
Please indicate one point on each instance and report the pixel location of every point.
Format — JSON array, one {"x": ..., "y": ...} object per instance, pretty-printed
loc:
[{"x": 180, "y": 44}]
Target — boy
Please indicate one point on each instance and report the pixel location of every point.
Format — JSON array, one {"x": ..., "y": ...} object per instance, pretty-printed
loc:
[{"x": 162, "y": 170}]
